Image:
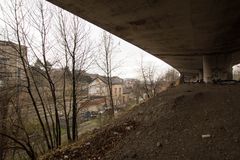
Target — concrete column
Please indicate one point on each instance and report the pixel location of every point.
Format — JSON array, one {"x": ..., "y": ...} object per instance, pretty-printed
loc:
[
  {"x": 200, "y": 76},
  {"x": 207, "y": 69},
  {"x": 217, "y": 67}
]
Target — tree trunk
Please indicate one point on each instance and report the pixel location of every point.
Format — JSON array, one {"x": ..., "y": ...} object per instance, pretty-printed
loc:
[{"x": 74, "y": 105}]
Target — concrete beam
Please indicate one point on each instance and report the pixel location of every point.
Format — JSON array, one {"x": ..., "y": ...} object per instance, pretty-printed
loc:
[{"x": 180, "y": 32}]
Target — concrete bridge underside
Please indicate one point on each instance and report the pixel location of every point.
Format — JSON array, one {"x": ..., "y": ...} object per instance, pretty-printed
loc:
[{"x": 200, "y": 38}]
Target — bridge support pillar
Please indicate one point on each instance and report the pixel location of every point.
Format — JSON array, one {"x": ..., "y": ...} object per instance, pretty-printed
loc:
[
  {"x": 200, "y": 76},
  {"x": 217, "y": 67}
]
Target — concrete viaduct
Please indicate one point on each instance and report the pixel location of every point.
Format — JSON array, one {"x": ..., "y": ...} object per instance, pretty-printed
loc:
[{"x": 200, "y": 38}]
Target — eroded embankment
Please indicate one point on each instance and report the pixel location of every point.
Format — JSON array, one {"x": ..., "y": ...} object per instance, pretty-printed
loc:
[{"x": 191, "y": 121}]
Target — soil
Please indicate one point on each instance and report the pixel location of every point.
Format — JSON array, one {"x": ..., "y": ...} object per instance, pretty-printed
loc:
[{"x": 188, "y": 122}]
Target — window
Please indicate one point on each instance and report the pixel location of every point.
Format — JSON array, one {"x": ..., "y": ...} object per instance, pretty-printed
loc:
[
  {"x": 120, "y": 91},
  {"x": 115, "y": 91}
]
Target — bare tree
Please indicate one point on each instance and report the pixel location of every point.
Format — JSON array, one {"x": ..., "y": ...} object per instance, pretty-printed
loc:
[
  {"x": 41, "y": 19},
  {"x": 171, "y": 76},
  {"x": 77, "y": 49},
  {"x": 40, "y": 87},
  {"x": 16, "y": 30},
  {"x": 105, "y": 61},
  {"x": 149, "y": 78}
]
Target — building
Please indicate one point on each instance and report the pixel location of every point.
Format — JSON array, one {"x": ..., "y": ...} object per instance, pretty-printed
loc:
[
  {"x": 99, "y": 88},
  {"x": 126, "y": 95},
  {"x": 130, "y": 82},
  {"x": 10, "y": 76},
  {"x": 11, "y": 68}
]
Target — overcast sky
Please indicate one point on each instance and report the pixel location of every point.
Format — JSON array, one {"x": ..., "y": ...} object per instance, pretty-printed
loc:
[{"x": 130, "y": 54}]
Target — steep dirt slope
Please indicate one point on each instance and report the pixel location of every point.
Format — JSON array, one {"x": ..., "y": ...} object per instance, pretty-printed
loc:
[
  {"x": 173, "y": 124},
  {"x": 192, "y": 121}
]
